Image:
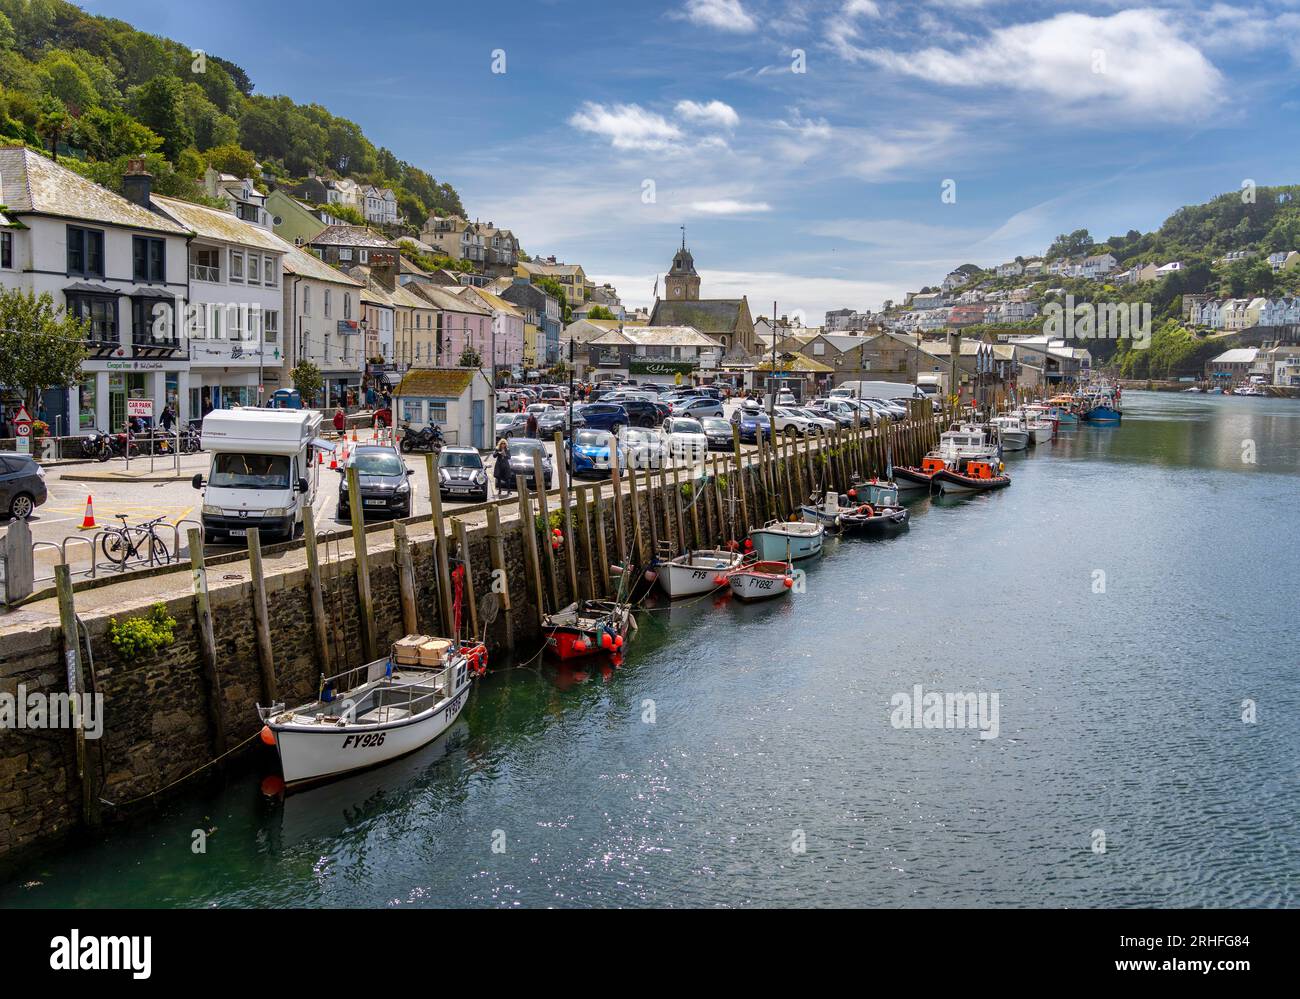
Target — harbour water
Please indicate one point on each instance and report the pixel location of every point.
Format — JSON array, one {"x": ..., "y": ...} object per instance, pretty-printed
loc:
[{"x": 1128, "y": 599}]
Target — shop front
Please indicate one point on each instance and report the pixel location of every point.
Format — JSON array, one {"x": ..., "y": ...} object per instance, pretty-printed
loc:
[{"x": 99, "y": 398}]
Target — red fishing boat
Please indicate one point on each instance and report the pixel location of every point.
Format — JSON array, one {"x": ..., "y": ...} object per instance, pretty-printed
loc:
[{"x": 589, "y": 627}]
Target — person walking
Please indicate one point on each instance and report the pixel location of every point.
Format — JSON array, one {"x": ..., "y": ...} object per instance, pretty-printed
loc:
[
  {"x": 168, "y": 418},
  {"x": 530, "y": 427},
  {"x": 340, "y": 420},
  {"x": 501, "y": 467}
]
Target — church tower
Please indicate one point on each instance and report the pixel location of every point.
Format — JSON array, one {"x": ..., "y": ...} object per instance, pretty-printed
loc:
[{"x": 682, "y": 284}]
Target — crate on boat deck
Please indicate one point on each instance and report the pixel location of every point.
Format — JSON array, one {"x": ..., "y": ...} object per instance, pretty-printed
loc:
[
  {"x": 434, "y": 651},
  {"x": 406, "y": 651}
]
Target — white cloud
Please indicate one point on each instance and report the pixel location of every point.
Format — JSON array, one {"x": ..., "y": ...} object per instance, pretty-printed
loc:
[
  {"x": 728, "y": 206},
  {"x": 627, "y": 126},
  {"x": 1147, "y": 70},
  {"x": 725, "y": 15},
  {"x": 713, "y": 113}
]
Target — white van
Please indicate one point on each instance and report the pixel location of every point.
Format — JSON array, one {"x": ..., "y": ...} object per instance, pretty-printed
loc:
[
  {"x": 876, "y": 390},
  {"x": 263, "y": 472}
]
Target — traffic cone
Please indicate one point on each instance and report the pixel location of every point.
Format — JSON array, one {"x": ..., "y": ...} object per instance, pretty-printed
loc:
[
  {"x": 88, "y": 522},
  {"x": 334, "y": 460}
]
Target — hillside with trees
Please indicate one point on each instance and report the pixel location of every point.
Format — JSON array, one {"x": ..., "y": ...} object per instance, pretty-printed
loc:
[{"x": 96, "y": 91}]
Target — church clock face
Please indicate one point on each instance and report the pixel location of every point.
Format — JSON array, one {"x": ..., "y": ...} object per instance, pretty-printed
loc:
[{"x": 677, "y": 292}]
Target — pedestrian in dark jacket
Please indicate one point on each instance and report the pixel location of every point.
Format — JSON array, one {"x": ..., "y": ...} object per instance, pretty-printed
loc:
[
  {"x": 531, "y": 426},
  {"x": 501, "y": 468},
  {"x": 340, "y": 420}
]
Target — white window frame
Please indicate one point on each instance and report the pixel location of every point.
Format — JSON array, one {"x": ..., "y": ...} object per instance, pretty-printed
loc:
[
  {"x": 270, "y": 272},
  {"x": 236, "y": 278}
]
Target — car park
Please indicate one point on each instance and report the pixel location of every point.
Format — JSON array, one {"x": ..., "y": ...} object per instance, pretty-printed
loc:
[
  {"x": 824, "y": 424},
  {"x": 383, "y": 479},
  {"x": 509, "y": 425},
  {"x": 644, "y": 448},
  {"x": 698, "y": 407},
  {"x": 461, "y": 474},
  {"x": 791, "y": 422}
]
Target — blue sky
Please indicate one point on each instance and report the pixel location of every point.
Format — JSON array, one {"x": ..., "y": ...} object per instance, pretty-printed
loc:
[{"x": 819, "y": 189}]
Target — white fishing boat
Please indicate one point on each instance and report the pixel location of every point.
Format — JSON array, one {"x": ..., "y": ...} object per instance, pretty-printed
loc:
[
  {"x": 695, "y": 572},
  {"x": 787, "y": 541},
  {"x": 1038, "y": 423},
  {"x": 826, "y": 513},
  {"x": 369, "y": 715},
  {"x": 1013, "y": 432},
  {"x": 762, "y": 580}
]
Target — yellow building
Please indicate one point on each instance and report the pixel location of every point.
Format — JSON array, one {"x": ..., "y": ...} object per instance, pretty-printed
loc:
[{"x": 570, "y": 276}]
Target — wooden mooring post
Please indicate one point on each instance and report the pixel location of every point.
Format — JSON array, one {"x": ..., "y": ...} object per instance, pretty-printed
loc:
[
  {"x": 467, "y": 568},
  {"x": 207, "y": 643},
  {"x": 405, "y": 578},
  {"x": 500, "y": 581},
  {"x": 529, "y": 528},
  {"x": 320, "y": 626},
  {"x": 365, "y": 605},
  {"x": 261, "y": 620},
  {"x": 548, "y": 549},
  {"x": 570, "y": 542},
  {"x": 76, "y": 687},
  {"x": 441, "y": 567}
]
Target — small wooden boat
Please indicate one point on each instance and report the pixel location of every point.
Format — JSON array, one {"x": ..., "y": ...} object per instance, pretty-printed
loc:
[
  {"x": 762, "y": 580},
  {"x": 374, "y": 713},
  {"x": 826, "y": 512},
  {"x": 587, "y": 628},
  {"x": 787, "y": 541},
  {"x": 972, "y": 475},
  {"x": 695, "y": 572}
]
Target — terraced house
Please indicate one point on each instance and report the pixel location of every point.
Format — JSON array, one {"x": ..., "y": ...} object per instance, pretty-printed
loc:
[{"x": 109, "y": 260}]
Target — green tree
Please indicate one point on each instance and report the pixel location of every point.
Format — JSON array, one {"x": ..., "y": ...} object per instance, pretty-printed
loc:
[
  {"x": 160, "y": 104},
  {"x": 1070, "y": 244},
  {"x": 62, "y": 79},
  {"x": 307, "y": 380},
  {"x": 232, "y": 159},
  {"x": 553, "y": 288},
  {"x": 599, "y": 312},
  {"x": 41, "y": 345},
  {"x": 469, "y": 358}
]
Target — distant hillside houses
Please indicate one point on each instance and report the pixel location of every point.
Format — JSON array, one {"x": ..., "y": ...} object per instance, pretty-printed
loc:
[{"x": 1235, "y": 314}]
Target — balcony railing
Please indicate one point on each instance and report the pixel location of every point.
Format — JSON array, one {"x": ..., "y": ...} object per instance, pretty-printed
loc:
[{"x": 202, "y": 272}]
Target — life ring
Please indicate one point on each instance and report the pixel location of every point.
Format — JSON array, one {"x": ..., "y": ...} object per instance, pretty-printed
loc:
[{"x": 867, "y": 509}]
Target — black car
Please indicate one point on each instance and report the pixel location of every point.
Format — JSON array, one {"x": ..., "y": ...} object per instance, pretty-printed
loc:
[
  {"x": 558, "y": 419},
  {"x": 522, "y": 450},
  {"x": 461, "y": 474},
  {"x": 642, "y": 412},
  {"x": 22, "y": 485},
  {"x": 383, "y": 478},
  {"x": 718, "y": 433}
]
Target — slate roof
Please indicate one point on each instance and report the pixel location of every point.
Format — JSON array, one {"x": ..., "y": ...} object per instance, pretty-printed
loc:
[
  {"x": 657, "y": 336},
  {"x": 303, "y": 264},
  {"x": 213, "y": 223},
  {"x": 33, "y": 183},
  {"x": 351, "y": 235},
  {"x": 710, "y": 315}
]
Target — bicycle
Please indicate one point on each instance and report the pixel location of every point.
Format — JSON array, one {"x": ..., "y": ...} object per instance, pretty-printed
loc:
[{"x": 122, "y": 544}]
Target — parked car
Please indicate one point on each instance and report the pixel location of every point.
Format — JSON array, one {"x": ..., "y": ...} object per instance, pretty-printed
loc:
[
  {"x": 788, "y": 420},
  {"x": 644, "y": 448},
  {"x": 591, "y": 452},
  {"x": 605, "y": 416},
  {"x": 698, "y": 407},
  {"x": 752, "y": 422},
  {"x": 522, "y": 450},
  {"x": 22, "y": 485},
  {"x": 642, "y": 412},
  {"x": 786, "y": 399},
  {"x": 383, "y": 417},
  {"x": 824, "y": 424},
  {"x": 718, "y": 433},
  {"x": 384, "y": 481},
  {"x": 557, "y": 418},
  {"x": 461, "y": 474},
  {"x": 685, "y": 439},
  {"x": 509, "y": 425},
  {"x": 832, "y": 409}
]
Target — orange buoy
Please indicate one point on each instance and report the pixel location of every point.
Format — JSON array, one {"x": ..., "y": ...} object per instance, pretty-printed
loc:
[
  {"x": 88, "y": 521},
  {"x": 268, "y": 736},
  {"x": 788, "y": 582},
  {"x": 272, "y": 786}
]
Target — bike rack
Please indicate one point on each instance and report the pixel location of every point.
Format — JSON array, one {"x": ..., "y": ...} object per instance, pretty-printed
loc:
[
  {"x": 176, "y": 535},
  {"x": 63, "y": 552}
]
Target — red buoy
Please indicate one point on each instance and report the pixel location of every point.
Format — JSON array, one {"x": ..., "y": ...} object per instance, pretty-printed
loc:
[
  {"x": 268, "y": 736},
  {"x": 788, "y": 582},
  {"x": 273, "y": 786},
  {"x": 606, "y": 642},
  {"x": 618, "y": 641},
  {"x": 579, "y": 645}
]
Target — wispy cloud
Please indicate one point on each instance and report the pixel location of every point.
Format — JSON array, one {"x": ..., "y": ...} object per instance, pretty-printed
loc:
[
  {"x": 728, "y": 206},
  {"x": 627, "y": 126},
  {"x": 1133, "y": 63}
]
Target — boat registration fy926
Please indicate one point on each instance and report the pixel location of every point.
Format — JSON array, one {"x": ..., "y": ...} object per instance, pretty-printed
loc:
[{"x": 364, "y": 741}]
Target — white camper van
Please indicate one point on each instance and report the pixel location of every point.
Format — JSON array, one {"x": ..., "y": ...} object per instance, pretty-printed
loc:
[
  {"x": 875, "y": 390},
  {"x": 263, "y": 472}
]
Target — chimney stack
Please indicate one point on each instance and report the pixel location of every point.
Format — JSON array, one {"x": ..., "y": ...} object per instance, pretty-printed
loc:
[{"x": 137, "y": 183}]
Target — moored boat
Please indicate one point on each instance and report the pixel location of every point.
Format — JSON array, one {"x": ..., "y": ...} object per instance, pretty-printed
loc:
[
  {"x": 872, "y": 507},
  {"x": 374, "y": 713},
  {"x": 787, "y": 541},
  {"x": 695, "y": 572},
  {"x": 762, "y": 580},
  {"x": 973, "y": 475},
  {"x": 588, "y": 627},
  {"x": 1012, "y": 431}
]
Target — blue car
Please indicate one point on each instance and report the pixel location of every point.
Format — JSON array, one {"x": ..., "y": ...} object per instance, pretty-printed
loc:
[
  {"x": 591, "y": 453},
  {"x": 752, "y": 422},
  {"x": 605, "y": 416}
]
